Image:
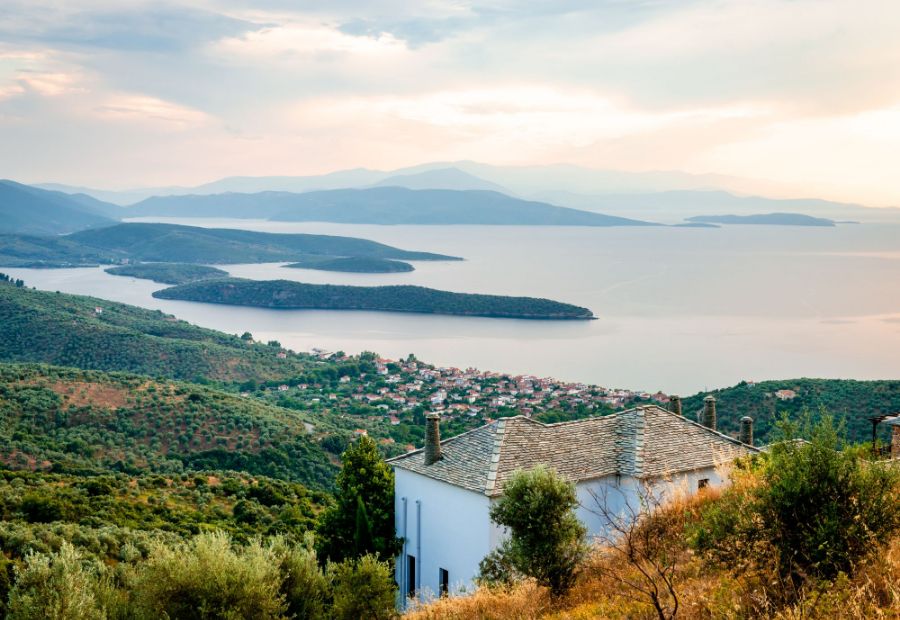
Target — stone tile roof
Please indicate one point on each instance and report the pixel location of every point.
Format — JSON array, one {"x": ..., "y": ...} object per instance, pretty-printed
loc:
[{"x": 646, "y": 442}]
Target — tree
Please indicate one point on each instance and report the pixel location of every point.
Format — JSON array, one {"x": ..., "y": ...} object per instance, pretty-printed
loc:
[
  {"x": 361, "y": 520},
  {"x": 546, "y": 539}
]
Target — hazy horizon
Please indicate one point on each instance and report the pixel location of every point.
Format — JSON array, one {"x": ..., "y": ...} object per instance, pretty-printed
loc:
[{"x": 802, "y": 97}]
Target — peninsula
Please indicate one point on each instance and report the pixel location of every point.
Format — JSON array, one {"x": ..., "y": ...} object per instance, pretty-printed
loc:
[{"x": 289, "y": 295}]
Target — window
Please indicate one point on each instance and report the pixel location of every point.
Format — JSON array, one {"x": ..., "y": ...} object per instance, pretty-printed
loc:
[
  {"x": 410, "y": 576},
  {"x": 444, "y": 581},
  {"x": 702, "y": 483}
]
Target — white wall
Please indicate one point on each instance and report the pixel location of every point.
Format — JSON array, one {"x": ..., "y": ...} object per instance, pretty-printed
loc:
[
  {"x": 623, "y": 495},
  {"x": 455, "y": 531}
]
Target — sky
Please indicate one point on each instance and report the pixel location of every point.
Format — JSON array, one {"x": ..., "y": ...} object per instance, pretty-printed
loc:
[{"x": 122, "y": 93}]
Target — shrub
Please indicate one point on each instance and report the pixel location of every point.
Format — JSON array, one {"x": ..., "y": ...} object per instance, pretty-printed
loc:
[
  {"x": 808, "y": 511},
  {"x": 362, "y": 588},
  {"x": 304, "y": 587},
  {"x": 207, "y": 578},
  {"x": 55, "y": 586}
]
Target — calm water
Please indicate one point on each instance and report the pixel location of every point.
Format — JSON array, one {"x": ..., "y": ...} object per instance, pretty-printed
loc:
[{"x": 679, "y": 309}]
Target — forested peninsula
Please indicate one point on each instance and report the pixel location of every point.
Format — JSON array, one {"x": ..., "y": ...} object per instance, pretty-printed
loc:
[{"x": 286, "y": 294}]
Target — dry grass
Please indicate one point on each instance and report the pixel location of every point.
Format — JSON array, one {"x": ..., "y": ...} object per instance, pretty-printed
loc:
[{"x": 705, "y": 593}]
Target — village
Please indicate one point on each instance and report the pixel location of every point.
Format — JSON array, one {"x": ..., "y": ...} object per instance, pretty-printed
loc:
[{"x": 389, "y": 400}]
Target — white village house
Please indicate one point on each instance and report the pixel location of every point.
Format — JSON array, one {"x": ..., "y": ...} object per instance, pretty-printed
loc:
[{"x": 443, "y": 491}]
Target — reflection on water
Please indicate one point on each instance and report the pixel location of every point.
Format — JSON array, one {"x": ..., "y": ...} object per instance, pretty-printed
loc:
[{"x": 679, "y": 309}]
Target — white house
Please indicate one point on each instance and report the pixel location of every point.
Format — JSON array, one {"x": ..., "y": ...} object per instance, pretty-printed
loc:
[{"x": 443, "y": 491}]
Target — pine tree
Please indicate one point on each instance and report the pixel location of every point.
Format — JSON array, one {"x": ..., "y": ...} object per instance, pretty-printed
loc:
[{"x": 361, "y": 521}]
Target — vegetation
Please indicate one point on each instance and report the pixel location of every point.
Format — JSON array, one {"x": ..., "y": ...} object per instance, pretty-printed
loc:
[
  {"x": 69, "y": 420},
  {"x": 168, "y": 273},
  {"x": 90, "y": 333},
  {"x": 815, "y": 512},
  {"x": 296, "y": 295},
  {"x": 854, "y": 402},
  {"x": 546, "y": 539},
  {"x": 206, "y": 577},
  {"x": 361, "y": 521},
  {"x": 354, "y": 264},
  {"x": 5, "y": 279}
]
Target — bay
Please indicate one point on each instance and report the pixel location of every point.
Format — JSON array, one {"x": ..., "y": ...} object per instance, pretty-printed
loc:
[{"x": 679, "y": 309}]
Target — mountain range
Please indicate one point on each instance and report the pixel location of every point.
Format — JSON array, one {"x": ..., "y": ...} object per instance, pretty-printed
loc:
[{"x": 379, "y": 205}]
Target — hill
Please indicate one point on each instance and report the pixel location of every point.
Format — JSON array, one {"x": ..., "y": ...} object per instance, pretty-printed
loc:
[
  {"x": 354, "y": 265},
  {"x": 854, "y": 401},
  {"x": 286, "y": 294},
  {"x": 441, "y": 178},
  {"x": 766, "y": 219},
  {"x": 90, "y": 333},
  {"x": 32, "y": 211},
  {"x": 70, "y": 420},
  {"x": 35, "y": 251},
  {"x": 379, "y": 205},
  {"x": 168, "y": 273},
  {"x": 189, "y": 244}
]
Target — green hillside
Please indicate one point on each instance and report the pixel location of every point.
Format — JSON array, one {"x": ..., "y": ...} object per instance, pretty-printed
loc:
[
  {"x": 90, "y": 333},
  {"x": 287, "y": 294},
  {"x": 170, "y": 243},
  {"x": 168, "y": 273},
  {"x": 854, "y": 401},
  {"x": 31, "y": 211},
  {"x": 69, "y": 420}
]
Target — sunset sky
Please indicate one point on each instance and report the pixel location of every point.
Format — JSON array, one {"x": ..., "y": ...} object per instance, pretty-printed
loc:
[{"x": 114, "y": 93}]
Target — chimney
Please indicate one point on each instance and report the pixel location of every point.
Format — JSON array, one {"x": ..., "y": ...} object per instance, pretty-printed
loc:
[
  {"x": 675, "y": 404},
  {"x": 709, "y": 412},
  {"x": 432, "y": 438},
  {"x": 746, "y": 435}
]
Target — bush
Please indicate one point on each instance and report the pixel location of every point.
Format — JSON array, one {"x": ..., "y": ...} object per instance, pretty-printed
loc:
[
  {"x": 207, "y": 578},
  {"x": 807, "y": 511},
  {"x": 304, "y": 587},
  {"x": 362, "y": 588},
  {"x": 546, "y": 539},
  {"x": 55, "y": 586}
]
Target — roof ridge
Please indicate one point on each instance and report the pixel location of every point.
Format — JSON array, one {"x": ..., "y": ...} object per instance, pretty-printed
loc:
[
  {"x": 491, "y": 481},
  {"x": 707, "y": 429}
]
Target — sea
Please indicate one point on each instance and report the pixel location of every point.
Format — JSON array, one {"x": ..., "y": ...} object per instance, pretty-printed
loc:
[{"x": 678, "y": 309}]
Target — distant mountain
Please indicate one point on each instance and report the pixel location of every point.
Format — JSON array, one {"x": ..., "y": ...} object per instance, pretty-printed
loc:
[
  {"x": 33, "y": 211},
  {"x": 189, "y": 244},
  {"x": 520, "y": 180},
  {"x": 442, "y": 178},
  {"x": 378, "y": 205},
  {"x": 765, "y": 219},
  {"x": 395, "y": 205},
  {"x": 677, "y": 205}
]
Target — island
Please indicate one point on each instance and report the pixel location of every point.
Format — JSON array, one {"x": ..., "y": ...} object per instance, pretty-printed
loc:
[
  {"x": 289, "y": 295},
  {"x": 168, "y": 273},
  {"x": 352, "y": 264},
  {"x": 764, "y": 219}
]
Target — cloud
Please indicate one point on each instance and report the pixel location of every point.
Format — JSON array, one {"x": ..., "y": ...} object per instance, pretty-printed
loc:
[
  {"x": 129, "y": 108},
  {"x": 146, "y": 26}
]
